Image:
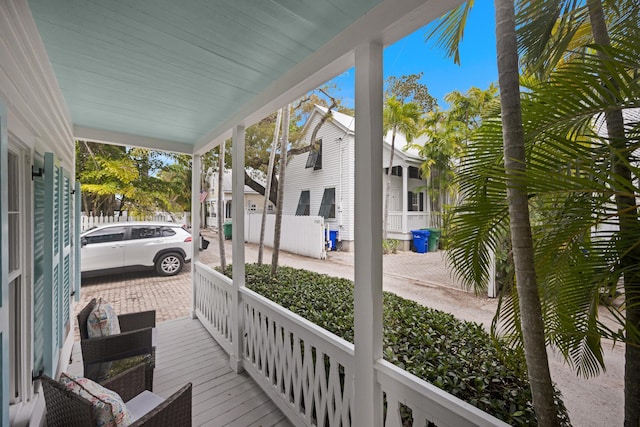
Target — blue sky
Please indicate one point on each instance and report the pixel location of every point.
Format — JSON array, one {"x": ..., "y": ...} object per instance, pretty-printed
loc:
[{"x": 412, "y": 55}]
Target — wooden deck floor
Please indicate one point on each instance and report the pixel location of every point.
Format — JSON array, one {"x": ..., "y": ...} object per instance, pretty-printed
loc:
[{"x": 187, "y": 353}]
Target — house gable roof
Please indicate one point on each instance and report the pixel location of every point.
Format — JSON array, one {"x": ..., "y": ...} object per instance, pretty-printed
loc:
[{"x": 348, "y": 124}]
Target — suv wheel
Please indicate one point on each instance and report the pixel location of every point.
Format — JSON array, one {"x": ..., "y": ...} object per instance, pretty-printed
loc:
[{"x": 169, "y": 264}]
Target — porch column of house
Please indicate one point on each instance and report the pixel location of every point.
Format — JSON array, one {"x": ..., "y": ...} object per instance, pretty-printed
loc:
[
  {"x": 368, "y": 235},
  {"x": 237, "y": 240},
  {"x": 405, "y": 202},
  {"x": 195, "y": 225}
]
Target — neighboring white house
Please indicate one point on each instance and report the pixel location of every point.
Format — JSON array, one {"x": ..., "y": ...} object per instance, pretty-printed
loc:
[
  {"x": 322, "y": 182},
  {"x": 253, "y": 201}
]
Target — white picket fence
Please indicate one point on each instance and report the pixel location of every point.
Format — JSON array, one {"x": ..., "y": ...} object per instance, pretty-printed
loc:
[{"x": 88, "y": 221}]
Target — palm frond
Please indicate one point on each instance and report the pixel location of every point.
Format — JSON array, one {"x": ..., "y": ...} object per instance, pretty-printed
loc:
[{"x": 449, "y": 32}]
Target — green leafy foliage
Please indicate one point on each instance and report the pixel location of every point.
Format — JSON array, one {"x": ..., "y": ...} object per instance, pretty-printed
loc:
[{"x": 459, "y": 357}]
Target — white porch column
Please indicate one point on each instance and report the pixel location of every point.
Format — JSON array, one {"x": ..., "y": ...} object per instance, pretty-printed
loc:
[
  {"x": 367, "y": 407},
  {"x": 237, "y": 251},
  {"x": 405, "y": 202},
  {"x": 195, "y": 226}
]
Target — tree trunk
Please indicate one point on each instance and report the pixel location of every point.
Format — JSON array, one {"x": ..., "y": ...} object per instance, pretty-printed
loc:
[
  {"x": 628, "y": 252},
  {"x": 283, "y": 163},
  {"x": 385, "y": 218},
  {"x": 515, "y": 165},
  {"x": 267, "y": 190},
  {"x": 223, "y": 258}
]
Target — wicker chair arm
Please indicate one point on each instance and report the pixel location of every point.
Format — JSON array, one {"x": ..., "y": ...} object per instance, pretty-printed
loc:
[
  {"x": 132, "y": 321},
  {"x": 82, "y": 317},
  {"x": 65, "y": 408},
  {"x": 173, "y": 412},
  {"x": 118, "y": 346},
  {"x": 127, "y": 384}
]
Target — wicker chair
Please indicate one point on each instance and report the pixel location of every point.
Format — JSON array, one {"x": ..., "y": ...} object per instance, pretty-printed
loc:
[
  {"x": 67, "y": 409},
  {"x": 136, "y": 338}
]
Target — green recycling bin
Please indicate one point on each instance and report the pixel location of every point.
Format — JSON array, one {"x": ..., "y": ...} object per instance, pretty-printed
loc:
[
  {"x": 226, "y": 227},
  {"x": 434, "y": 239}
]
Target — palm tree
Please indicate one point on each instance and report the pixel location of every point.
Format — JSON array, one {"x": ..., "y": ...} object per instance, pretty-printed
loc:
[
  {"x": 397, "y": 117},
  {"x": 521, "y": 239},
  {"x": 284, "y": 143},
  {"x": 577, "y": 26},
  {"x": 577, "y": 180},
  {"x": 448, "y": 133}
]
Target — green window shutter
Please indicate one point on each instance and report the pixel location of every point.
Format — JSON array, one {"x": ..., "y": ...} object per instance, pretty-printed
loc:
[
  {"x": 328, "y": 204},
  {"x": 39, "y": 296},
  {"x": 47, "y": 266},
  {"x": 65, "y": 255}
]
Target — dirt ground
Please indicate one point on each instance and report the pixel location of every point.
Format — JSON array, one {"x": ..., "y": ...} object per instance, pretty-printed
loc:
[{"x": 423, "y": 278}]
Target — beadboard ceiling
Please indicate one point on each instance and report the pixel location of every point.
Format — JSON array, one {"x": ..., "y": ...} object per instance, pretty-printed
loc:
[{"x": 180, "y": 74}]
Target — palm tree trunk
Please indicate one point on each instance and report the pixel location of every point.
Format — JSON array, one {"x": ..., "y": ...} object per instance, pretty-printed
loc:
[
  {"x": 385, "y": 218},
  {"x": 283, "y": 163},
  {"x": 267, "y": 189},
  {"x": 223, "y": 257},
  {"x": 515, "y": 165},
  {"x": 628, "y": 252}
]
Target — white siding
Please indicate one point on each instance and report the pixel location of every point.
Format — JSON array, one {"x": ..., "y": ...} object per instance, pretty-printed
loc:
[
  {"x": 337, "y": 172},
  {"x": 338, "y": 156},
  {"x": 38, "y": 122}
]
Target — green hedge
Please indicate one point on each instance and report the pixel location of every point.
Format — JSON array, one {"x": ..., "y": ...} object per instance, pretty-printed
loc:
[{"x": 457, "y": 356}]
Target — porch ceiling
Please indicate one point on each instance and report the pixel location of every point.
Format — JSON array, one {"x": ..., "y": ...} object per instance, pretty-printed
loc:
[{"x": 177, "y": 75}]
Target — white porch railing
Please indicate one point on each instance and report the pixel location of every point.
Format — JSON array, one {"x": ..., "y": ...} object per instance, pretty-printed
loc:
[
  {"x": 308, "y": 371},
  {"x": 213, "y": 303},
  {"x": 415, "y": 221}
]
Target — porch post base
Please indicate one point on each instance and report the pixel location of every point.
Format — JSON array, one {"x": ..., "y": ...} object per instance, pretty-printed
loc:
[{"x": 236, "y": 364}]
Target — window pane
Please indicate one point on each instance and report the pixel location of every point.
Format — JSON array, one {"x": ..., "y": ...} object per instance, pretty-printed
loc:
[
  {"x": 328, "y": 205},
  {"x": 111, "y": 234},
  {"x": 14, "y": 212},
  {"x": 166, "y": 231},
  {"x": 15, "y": 332},
  {"x": 315, "y": 156},
  {"x": 145, "y": 232},
  {"x": 303, "y": 203}
]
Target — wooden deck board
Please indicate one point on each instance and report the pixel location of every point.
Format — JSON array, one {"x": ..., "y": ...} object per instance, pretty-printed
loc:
[{"x": 187, "y": 353}]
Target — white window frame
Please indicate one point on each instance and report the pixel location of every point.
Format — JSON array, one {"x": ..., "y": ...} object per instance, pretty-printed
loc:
[{"x": 20, "y": 298}]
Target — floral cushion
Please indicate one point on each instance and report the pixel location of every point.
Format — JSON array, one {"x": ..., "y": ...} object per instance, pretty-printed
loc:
[
  {"x": 102, "y": 320},
  {"x": 109, "y": 409}
]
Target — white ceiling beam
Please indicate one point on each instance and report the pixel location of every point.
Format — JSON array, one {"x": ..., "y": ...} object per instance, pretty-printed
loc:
[{"x": 118, "y": 138}]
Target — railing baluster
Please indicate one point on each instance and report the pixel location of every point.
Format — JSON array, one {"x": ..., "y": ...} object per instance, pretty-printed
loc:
[{"x": 303, "y": 367}]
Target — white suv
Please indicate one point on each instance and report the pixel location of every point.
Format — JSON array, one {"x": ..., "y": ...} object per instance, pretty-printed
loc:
[{"x": 130, "y": 246}]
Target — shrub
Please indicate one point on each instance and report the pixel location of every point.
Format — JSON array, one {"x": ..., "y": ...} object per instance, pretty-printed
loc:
[
  {"x": 457, "y": 356},
  {"x": 390, "y": 246}
]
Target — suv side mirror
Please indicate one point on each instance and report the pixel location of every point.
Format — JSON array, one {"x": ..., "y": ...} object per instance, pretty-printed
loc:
[{"x": 83, "y": 242}]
